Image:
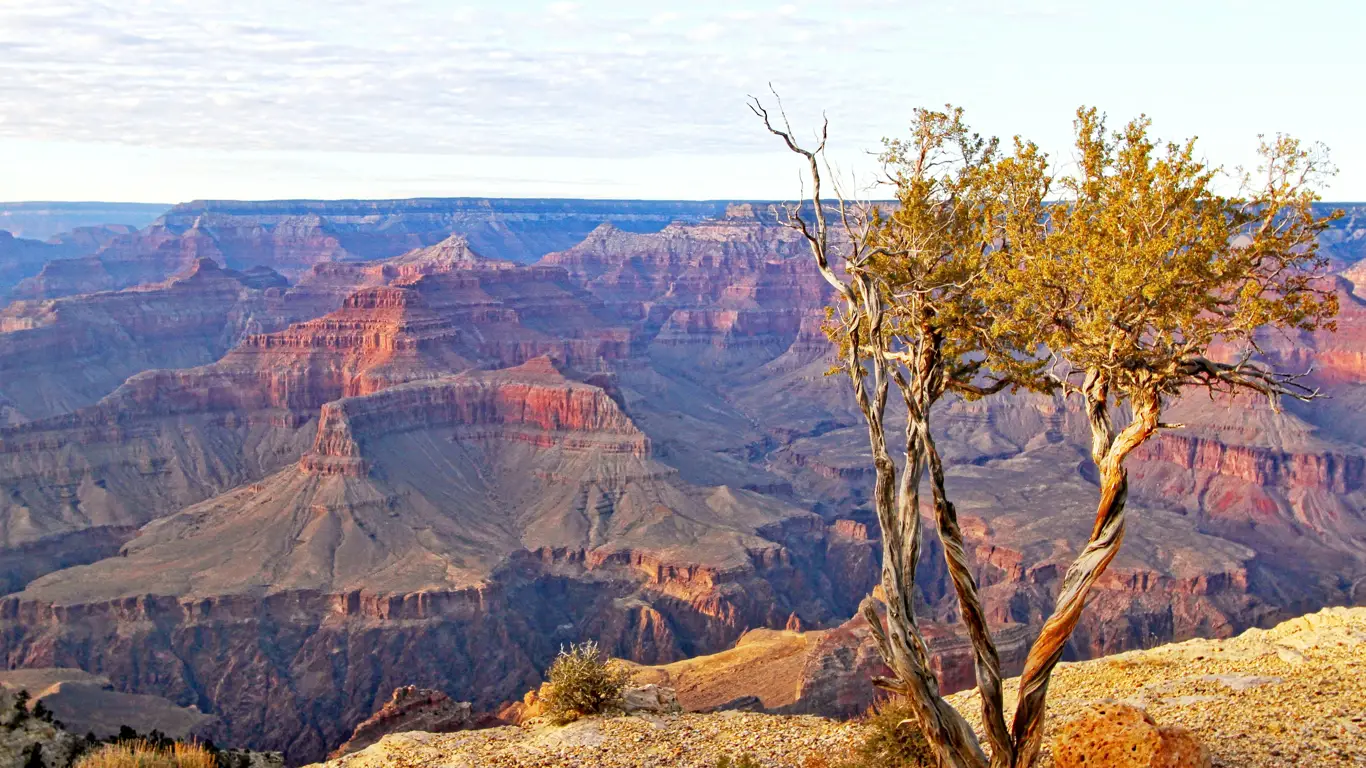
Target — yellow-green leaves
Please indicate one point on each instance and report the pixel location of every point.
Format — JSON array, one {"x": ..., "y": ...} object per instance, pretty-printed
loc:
[
  {"x": 959, "y": 199},
  {"x": 1145, "y": 264}
]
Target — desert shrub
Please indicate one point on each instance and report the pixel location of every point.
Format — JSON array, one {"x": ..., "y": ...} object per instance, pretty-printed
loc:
[
  {"x": 144, "y": 754},
  {"x": 892, "y": 742},
  {"x": 744, "y": 761},
  {"x": 582, "y": 682}
]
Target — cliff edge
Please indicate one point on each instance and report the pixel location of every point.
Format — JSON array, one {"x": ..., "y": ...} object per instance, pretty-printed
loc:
[{"x": 1281, "y": 697}]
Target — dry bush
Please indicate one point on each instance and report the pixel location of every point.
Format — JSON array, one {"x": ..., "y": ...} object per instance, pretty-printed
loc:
[
  {"x": 893, "y": 741},
  {"x": 582, "y": 682},
  {"x": 144, "y": 754}
]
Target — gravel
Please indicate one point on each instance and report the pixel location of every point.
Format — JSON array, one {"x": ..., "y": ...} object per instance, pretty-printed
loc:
[
  {"x": 1289, "y": 697},
  {"x": 676, "y": 741}
]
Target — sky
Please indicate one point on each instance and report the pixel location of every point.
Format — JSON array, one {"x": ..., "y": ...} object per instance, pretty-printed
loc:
[{"x": 172, "y": 100}]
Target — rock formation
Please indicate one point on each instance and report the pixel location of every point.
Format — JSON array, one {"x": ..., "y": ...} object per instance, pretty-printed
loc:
[
  {"x": 1113, "y": 734},
  {"x": 411, "y": 709},
  {"x": 292, "y": 236},
  {"x": 44, "y": 220},
  {"x": 434, "y": 468},
  {"x": 60, "y": 355},
  {"x": 479, "y": 518},
  {"x": 1266, "y": 699},
  {"x": 25, "y": 739},
  {"x": 21, "y": 258},
  {"x": 84, "y": 703}
]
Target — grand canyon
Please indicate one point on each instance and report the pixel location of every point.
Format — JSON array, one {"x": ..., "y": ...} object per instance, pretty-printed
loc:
[{"x": 274, "y": 460}]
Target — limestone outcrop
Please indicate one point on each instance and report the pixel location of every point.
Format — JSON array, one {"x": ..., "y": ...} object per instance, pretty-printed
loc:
[{"x": 411, "y": 709}]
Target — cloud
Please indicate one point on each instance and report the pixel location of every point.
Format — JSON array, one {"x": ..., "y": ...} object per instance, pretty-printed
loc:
[{"x": 415, "y": 77}]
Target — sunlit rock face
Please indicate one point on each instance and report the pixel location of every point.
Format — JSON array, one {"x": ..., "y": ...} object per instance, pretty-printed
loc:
[{"x": 328, "y": 454}]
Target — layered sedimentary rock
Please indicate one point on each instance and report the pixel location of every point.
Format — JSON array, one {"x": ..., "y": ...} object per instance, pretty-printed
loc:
[
  {"x": 63, "y": 354},
  {"x": 448, "y": 465},
  {"x": 411, "y": 709},
  {"x": 171, "y": 437},
  {"x": 726, "y": 292},
  {"x": 293, "y": 236},
  {"x": 86, "y": 703},
  {"x": 824, "y": 672},
  {"x": 43, "y": 220},
  {"x": 21, "y": 258},
  {"x": 479, "y": 519}
]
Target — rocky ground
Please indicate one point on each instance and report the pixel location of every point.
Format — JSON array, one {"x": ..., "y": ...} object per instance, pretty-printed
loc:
[
  {"x": 1289, "y": 697},
  {"x": 686, "y": 740},
  {"x": 1286, "y": 697}
]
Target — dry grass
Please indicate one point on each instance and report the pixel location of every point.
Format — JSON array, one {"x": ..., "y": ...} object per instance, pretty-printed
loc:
[{"x": 143, "y": 754}]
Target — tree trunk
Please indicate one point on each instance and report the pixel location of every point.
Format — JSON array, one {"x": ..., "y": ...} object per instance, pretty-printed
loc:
[
  {"x": 1109, "y": 452},
  {"x": 1027, "y": 729},
  {"x": 986, "y": 660}
]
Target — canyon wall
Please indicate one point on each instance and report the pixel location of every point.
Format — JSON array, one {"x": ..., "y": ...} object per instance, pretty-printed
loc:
[{"x": 354, "y": 446}]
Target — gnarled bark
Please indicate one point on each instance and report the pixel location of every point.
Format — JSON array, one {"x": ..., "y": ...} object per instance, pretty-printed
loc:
[{"x": 1108, "y": 451}]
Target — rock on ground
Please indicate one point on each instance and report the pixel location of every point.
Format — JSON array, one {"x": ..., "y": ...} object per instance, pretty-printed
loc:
[
  {"x": 411, "y": 709},
  {"x": 1119, "y": 735},
  {"x": 1293, "y": 696},
  {"x": 1289, "y": 697}
]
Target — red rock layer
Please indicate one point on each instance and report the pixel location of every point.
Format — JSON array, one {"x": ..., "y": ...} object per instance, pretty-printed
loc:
[
  {"x": 321, "y": 661},
  {"x": 412, "y": 709},
  {"x": 532, "y": 403},
  {"x": 64, "y": 354},
  {"x": 1331, "y": 472},
  {"x": 293, "y": 236}
]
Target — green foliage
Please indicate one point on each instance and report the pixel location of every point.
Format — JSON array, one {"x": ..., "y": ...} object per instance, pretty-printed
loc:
[
  {"x": 1146, "y": 266},
  {"x": 582, "y": 682},
  {"x": 41, "y": 712},
  {"x": 21, "y": 699},
  {"x": 960, "y": 197},
  {"x": 744, "y": 761}
]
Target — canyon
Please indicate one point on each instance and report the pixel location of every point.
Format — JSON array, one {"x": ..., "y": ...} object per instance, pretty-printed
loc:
[{"x": 276, "y": 460}]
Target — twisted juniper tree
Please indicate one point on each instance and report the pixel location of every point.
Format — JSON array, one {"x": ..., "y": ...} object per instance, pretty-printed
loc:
[
  {"x": 1147, "y": 270},
  {"x": 912, "y": 315},
  {"x": 1125, "y": 285}
]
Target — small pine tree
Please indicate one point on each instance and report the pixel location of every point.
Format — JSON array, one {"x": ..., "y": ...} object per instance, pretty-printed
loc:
[
  {"x": 21, "y": 712},
  {"x": 41, "y": 711}
]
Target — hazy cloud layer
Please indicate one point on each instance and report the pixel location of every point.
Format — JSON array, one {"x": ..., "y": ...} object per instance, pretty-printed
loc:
[
  {"x": 160, "y": 99},
  {"x": 559, "y": 78}
]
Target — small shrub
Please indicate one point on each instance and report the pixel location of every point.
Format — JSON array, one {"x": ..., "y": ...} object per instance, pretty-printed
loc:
[
  {"x": 41, "y": 712},
  {"x": 143, "y": 754},
  {"x": 892, "y": 742},
  {"x": 21, "y": 699},
  {"x": 582, "y": 683}
]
